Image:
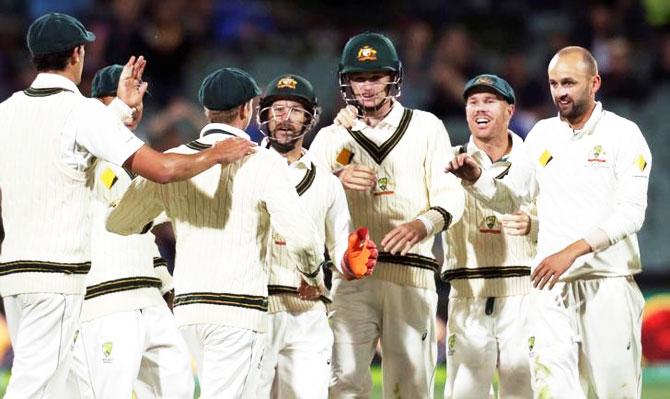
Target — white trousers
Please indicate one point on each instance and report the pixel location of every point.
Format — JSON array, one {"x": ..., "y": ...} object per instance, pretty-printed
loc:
[
  {"x": 402, "y": 319},
  {"x": 478, "y": 343},
  {"x": 139, "y": 349},
  {"x": 42, "y": 328},
  {"x": 228, "y": 359},
  {"x": 585, "y": 339},
  {"x": 296, "y": 361}
]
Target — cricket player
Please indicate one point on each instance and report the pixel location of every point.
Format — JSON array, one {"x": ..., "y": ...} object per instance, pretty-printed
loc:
[
  {"x": 388, "y": 158},
  {"x": 127, "y": 333},
  {"x": 297, "y": 358},
  {"x": 588, "y": 169},
  {"x": 49, "y": 137},
  {"x": 487, "y": 261},
  {"x": 222, "y": 220}
]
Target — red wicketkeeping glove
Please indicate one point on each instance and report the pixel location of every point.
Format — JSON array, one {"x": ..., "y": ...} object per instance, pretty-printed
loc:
[{"x": 361, "y": 256}]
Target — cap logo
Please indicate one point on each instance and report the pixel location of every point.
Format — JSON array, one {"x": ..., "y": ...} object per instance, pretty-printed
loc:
[
  {"x": 287, "y": 83},
  {"x": 484, "y": 80},
  {"x": 367, "y": 53}
]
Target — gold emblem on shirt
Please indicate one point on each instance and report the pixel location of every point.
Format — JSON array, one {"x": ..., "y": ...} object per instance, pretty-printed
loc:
[
  {"x": 641, "y": 162},
  {"x": 490, "y": 225},
  {"x": 597, "y": 154},
  {"x": 385, "y": 186},
  {"x": 278, "y": 240},
  {"x": 108, "y": 178},
  {"x": 545, "y": 158},
  {"x": 344, "y": 157}
]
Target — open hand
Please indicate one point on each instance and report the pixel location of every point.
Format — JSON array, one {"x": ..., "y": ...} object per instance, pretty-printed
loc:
[
  {"x": 402, "y": 238},
  {"x": 131, "y": 88}
]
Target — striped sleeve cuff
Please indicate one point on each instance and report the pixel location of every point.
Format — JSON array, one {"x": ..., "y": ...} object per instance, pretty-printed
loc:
[
  {"x": 439, "y": 218},
  {"x": 162, "y": 272}
]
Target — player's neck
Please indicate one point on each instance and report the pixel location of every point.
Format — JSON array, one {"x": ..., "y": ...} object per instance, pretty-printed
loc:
[
  {"x": 372, "y": 119},
  {"x": 496, "y": 147},
  {"x": 294, "y": 154},
  {"x": 68, "y": 73}
]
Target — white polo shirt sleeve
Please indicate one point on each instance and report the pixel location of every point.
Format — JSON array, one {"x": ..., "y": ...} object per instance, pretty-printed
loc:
[
  {"x": 631, "y": 169},
  {"x": 100, "y": 132}
]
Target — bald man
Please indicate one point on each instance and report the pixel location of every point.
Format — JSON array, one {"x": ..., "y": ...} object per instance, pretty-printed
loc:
[{"x": 588, "y": 170}]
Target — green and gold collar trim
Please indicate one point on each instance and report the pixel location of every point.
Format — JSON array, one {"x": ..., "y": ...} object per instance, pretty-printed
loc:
[
  {"x": 44, "y": 92},
  {"x": 306, "y": 181},
  {"x": 379, "y": 153}
]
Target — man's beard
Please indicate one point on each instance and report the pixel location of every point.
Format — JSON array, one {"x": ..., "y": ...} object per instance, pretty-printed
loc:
[
  {"x": 286, "y": 146},
  {"x": 574, "y": 112}
]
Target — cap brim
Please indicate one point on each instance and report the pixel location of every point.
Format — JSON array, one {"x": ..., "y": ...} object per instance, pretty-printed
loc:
[{"x": 89, "y": 36}]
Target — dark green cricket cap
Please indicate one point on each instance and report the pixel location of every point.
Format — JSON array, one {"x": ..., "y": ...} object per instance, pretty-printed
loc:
[
  {"x": 227, "y": 88},
  {"x": 106, "y": 80},
  {"x": 494, "y": 82},
  {"x": 56, "y": 32}
]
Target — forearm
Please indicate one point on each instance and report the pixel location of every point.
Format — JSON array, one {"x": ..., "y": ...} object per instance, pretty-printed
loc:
[
  {"x": 577, "y": 249},
  {"x": 169, "y": 167}
]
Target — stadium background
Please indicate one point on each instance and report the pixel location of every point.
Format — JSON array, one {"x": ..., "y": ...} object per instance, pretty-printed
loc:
[{"x": 441, "y": 43}]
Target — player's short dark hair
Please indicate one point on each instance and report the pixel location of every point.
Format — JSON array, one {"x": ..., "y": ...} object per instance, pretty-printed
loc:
[{"x": 53, "y": 61}]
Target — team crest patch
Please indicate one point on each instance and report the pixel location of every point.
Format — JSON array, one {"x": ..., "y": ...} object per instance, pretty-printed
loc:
[
  {"x": 597, "y": 154},
  {"x": 641, "y": 162},
  {"x": 367, "y": 53},
  {"x": 278, "y": 240},
  {"x": 107, "y": 351},
  {"x": 451, "y": 344},
  {"x": 484, "y": 80},
  {"x": 545, "y": 158},
  {"x": 385, "y": 186},
  {"x": 287, "y": 82},
  {"x": 490, "y": 224}
]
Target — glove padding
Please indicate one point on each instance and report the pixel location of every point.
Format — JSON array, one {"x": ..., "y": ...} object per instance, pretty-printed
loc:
[{"x": 361, "y": 257}]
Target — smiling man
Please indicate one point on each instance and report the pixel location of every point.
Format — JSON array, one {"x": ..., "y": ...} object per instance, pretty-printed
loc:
[
  {"x": 388, "y": 159},
  {"x": 588, "y": 169},
  {"x": 487, "y": 261}
]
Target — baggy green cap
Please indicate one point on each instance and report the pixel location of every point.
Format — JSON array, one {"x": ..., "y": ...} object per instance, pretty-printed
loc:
[
  {"x": 498, "y": 84},
  {"x": 227, "y": 88},
  {"x": 106, "y": 80},
  {"x": 56, "y": 32}
]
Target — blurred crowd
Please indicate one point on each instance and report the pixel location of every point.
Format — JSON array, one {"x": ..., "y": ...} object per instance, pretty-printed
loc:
[{"x": 442, "y": 44}]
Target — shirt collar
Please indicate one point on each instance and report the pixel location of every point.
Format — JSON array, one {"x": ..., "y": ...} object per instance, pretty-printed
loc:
[
  {"x": 591, "y": 123},
  {"x": 392, "y": 119},
  {"x": 305, "y": 161},
  {"x": 45, "y": 80},
  {"x": 483, "y": 159},
  {"x": 229, "y": 130}
]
